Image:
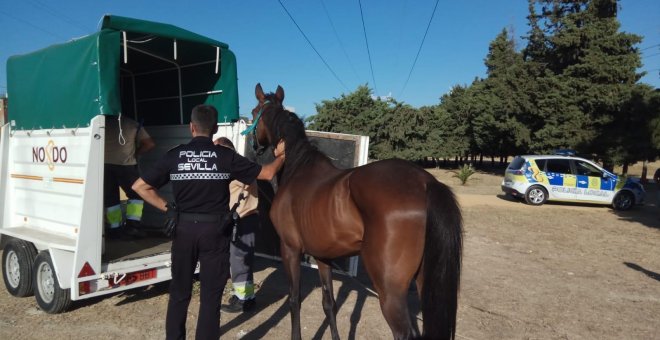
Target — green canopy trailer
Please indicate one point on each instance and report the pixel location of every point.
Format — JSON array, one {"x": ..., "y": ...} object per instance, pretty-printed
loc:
[
  {"x": 52, "y": 151},
  {"x": 147, "y": 70}
]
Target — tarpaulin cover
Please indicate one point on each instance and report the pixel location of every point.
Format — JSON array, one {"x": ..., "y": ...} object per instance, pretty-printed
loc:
[{"x": 66, "y": 85}]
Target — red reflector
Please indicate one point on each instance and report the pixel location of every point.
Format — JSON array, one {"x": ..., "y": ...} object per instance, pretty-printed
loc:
[
  {"x": 86, "y": 270},
  {"x": 83, "y": 288}
]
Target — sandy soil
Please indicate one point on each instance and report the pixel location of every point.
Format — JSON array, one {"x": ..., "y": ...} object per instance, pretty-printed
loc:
[{"x": 558, "y": 271}]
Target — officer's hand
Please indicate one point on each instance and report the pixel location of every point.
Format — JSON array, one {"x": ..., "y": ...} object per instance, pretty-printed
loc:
[
  {"x": 279, "y": 149},
  {"x": 169, "y": 229}
]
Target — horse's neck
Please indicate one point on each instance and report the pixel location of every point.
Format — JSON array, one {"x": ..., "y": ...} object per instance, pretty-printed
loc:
[{"x": 317, "y": 162}]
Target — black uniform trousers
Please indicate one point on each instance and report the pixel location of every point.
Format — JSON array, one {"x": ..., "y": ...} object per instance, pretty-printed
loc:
[
  {"x": 119, "y": 176},
  {"x": 203, "y": 242}
]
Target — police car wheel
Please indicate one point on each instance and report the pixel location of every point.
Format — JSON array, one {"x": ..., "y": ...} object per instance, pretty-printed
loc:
[
  {"x": 623, "y": 201},
  {"x": 536, "y": 195}
]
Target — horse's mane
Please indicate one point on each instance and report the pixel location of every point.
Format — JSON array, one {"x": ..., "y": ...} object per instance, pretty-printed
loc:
[{"x": 283, "y": 124}]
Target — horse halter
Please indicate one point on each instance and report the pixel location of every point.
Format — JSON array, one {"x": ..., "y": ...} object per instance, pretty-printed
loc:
[{"x": 253, "y": 129}]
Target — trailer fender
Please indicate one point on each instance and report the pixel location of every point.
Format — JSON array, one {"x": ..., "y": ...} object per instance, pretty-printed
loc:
[{"x": 63, "y": 263}]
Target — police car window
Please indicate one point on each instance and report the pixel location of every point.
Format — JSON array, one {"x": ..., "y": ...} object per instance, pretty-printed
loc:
[
  {"x": 562, "y": 166},
  {"x": 586, "y": 169},
  {"x": 517, "y": 163},
  {"x": 540, "y": 163}
]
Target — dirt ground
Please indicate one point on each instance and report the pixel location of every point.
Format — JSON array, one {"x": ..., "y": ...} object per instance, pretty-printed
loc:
[{"x": 558, "y": 271}]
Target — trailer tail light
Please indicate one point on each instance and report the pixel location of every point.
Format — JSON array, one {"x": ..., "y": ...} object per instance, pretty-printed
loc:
[
  {"x": 85, "y": 287},
  {"x": 133, "y": 277}
]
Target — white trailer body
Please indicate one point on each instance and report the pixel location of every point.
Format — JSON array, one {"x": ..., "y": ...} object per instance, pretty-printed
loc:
[
  {"x": 52, "y": 151},
  {"x": 52, "y": 199}
]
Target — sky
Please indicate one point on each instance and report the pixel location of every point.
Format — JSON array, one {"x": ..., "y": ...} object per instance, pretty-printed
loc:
[{"x": 377, "y": 43}]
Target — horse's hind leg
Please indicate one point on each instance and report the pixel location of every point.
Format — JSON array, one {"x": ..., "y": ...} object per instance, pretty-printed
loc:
[
  {"x": 291, "y": 262},
  {"x": 392, "y": 288},
  {"x": 329, "y": 305}
]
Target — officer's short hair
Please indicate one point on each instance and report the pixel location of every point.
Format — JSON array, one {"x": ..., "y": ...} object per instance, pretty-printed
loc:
[{"x": 205, "y": 118}]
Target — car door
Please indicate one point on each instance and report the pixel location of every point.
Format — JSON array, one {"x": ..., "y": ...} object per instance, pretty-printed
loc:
[
  {"x": 562, "y": 182},
  {"x": 594, "y": 184}
]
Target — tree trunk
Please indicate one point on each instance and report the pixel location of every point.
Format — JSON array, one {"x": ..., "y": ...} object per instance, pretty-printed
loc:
[{"x": 645, "y": 169}]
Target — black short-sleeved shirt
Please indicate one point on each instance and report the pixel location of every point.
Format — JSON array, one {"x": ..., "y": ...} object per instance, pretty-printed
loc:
[{"x": 200, "y": 173}]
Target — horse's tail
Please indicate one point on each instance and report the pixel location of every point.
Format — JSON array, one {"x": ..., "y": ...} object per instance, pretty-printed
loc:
[{"x": 442, "y": 262}]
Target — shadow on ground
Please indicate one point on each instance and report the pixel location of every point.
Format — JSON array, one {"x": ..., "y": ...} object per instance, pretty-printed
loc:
[{"x": 275, "y": 288}]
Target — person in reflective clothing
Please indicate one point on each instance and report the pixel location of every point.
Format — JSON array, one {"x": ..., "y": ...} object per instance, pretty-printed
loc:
[
  {"x": 241, "y": 249},
  {"x": 200, "y": 173},
  {"x": 125, "y": 140}
]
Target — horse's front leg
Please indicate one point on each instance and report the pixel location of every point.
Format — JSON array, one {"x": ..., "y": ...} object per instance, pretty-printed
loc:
[
  {"x": 291, "y": 261},
  {"x": 329, "y": 305}
]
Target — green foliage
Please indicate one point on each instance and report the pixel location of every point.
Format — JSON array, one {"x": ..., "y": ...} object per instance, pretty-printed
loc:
[
  {"x": 464, "y": 173},
  {"x": 574, "y": 85}
]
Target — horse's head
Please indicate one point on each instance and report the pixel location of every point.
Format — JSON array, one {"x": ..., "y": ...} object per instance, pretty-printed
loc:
[{"x": 268, "y": 105}]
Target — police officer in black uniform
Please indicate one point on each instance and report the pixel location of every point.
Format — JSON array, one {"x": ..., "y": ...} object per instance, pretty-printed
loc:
[{"x": 200, "y": 173}]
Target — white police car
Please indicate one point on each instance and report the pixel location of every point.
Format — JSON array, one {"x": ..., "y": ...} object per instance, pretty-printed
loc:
[{"x": 538, "y": 178}]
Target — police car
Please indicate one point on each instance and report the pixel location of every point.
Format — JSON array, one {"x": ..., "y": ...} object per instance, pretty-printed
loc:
[{"x": 538, "y": 178}]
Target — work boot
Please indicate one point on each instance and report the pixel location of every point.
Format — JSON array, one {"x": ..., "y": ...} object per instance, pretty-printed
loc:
[
  {"x": 132, "y": 228},
  {"x": 236, "y": 305},
  {"x": 113, "y": 233}
]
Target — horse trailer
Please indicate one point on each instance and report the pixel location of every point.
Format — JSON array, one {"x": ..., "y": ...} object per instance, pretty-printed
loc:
[{"x": 52, "y": 153}]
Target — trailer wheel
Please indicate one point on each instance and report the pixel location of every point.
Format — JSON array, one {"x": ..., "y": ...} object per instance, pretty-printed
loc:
[
  {"x": 17, "y": 263},
  {"x": 51, "y": 298}
]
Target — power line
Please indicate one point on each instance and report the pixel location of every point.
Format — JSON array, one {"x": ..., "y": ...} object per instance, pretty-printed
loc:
[
  {"x": 368, "y": 52},
  {"x": 339, "y": 40},
  {"x": 652, "y": 55},
  {"x": 33, "y": 25},
  {"x": 420, "y": 48},
  {"x": 312, "y": 46},
  {"x": 57, "y": 14},
  {"x": 649, "y": 47}
]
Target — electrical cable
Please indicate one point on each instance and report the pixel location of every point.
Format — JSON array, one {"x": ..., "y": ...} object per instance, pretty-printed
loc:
[
  {"x": 33, "y": 25},
  {"x": 420, "y": 49},
  {"x": 59, "y": 15},
  {"x": 312, "y": 46},
  {"x": 649, "y": 47},
  {"x": 367, "y": 43},
  {"x": 327, "y": 14}
]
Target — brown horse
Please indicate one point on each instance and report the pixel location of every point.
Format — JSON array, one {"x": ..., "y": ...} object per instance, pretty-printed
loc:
[{"x": 404, "y": 224}]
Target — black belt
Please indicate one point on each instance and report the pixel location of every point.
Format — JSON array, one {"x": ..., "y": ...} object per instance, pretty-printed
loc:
[{"x": 198, "y": 217}]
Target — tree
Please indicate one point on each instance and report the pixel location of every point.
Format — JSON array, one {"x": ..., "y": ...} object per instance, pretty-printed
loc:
[
  {"x": 592, "y": 73},
  {"x": 454, "y": 115},
  {"x": 355, "y": 113},
  {"x": 500, "y": 128}
]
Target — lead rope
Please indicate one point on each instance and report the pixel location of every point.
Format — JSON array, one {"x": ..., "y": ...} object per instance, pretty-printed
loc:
[
  {"x": 121, "y": 139},
  {"x": 234, "y": 215}
]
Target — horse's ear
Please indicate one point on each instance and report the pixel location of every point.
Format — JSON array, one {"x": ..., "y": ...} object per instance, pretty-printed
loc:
[
  {"x": 279, "y": 93},
  {"x": 259, "y": 93}
]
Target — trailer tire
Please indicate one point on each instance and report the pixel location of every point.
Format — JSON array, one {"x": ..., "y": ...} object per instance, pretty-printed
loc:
[
  {"x": 17, "y": 264},
  {"x": 51, "y": 298}
]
